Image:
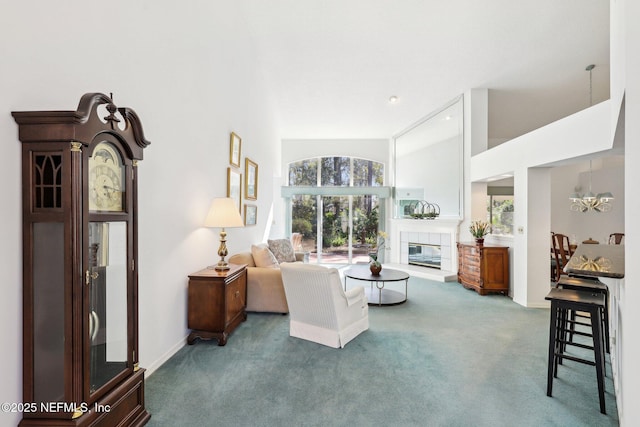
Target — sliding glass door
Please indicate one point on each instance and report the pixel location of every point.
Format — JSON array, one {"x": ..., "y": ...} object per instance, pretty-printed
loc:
[
  {"x": 336, "y": 229},
  {"x": 334, "y": 207}
]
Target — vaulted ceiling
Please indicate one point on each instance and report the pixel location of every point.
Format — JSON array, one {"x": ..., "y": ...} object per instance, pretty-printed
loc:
[{"x": 333, "y": 64}]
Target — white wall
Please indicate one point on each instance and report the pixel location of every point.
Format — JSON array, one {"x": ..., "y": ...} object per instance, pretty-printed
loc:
[
  {"x": 190, "y": 89},
  {"x": 531, "y": 246}
]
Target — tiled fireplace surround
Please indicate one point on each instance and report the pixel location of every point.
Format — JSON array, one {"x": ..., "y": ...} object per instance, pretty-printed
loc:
[{"x": 443, "y": 232}]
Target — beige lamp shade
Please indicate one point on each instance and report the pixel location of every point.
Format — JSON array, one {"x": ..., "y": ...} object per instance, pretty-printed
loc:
[{"x": 223, "y": 213}]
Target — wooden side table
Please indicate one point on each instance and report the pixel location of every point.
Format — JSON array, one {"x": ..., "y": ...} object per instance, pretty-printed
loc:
[{"x": 217, "y": 301}]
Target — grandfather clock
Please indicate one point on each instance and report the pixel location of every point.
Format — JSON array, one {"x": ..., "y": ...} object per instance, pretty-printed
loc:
[{"x": 80, "y": 265}]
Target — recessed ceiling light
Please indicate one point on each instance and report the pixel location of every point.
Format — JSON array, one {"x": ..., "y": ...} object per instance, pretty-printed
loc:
[{"x": 393, "y": 99}]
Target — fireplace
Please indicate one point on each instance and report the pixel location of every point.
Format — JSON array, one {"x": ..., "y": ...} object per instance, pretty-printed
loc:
[
  {"x": 439, "y": 231},
  {"x": 426, "y": 255}
]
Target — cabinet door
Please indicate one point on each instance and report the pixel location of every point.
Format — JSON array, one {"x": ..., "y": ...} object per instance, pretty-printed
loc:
[
  {"x": 495, "y": 268},
  {"x": 235, "y": 298}
]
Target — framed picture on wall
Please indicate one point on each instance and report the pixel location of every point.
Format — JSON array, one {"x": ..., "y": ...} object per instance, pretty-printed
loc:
[
  {"x": 250, "y": 214},
  {"x": 234, "y": 187},
  {"x": 235, "y": 150},
  {"x": 250, "y": 179}
]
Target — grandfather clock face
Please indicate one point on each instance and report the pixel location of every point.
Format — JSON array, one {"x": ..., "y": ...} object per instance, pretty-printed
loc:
[{"x": 106, "y": 179}]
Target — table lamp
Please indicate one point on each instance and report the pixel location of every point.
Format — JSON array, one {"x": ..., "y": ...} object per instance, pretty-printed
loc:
[{"x": 223, "y": 213}]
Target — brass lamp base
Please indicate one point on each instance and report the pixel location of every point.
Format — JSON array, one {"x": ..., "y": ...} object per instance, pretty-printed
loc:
[{"x": 222, "y": 265}]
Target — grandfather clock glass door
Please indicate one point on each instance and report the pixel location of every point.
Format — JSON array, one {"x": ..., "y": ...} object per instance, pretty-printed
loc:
[
  {"x": 107, "y": 294},
  {"x": 109, "y": 266}
]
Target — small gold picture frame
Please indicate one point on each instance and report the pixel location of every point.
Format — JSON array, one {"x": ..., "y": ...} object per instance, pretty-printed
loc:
[
  {"x": 235, "y": 150},
  {"x": 234, "y": 187},
  {"x": 250, "y": 179},
  {"x": 250, "y": 214}
]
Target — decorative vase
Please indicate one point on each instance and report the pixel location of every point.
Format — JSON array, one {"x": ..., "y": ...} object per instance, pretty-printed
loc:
[
  {"x": 375, "y": 268},
  {"x": 479, "y": 241}
]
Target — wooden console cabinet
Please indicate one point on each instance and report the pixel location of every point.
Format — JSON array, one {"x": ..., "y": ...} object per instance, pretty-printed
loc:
[
  {"x": 217, "y": 303},
  {"x": 484, "y": 269}
]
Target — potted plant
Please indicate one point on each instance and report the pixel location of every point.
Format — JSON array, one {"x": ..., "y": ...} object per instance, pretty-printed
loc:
[{"x": 479, "y": 229}]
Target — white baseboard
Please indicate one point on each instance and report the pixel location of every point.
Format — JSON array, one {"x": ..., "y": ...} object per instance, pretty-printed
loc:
[{"x": 166, "y": 356}]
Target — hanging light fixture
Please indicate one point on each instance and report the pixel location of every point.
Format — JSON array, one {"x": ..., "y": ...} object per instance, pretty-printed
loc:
[{"x": 600, "y": 202}]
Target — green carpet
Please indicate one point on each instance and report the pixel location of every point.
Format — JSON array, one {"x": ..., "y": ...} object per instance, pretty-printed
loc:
[{"x": 447, "y": 357}]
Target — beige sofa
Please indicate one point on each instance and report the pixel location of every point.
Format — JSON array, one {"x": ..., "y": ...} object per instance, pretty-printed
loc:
[{"x": 265, "y": 291}]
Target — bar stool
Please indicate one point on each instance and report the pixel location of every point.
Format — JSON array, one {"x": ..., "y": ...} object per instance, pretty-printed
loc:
[
  {"x": 562, "y": 302},
  {"x": 590, "y": 284}
]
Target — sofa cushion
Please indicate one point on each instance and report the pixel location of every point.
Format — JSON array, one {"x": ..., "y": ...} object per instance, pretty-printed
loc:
[
  {"x": 263, "y": 257},
  {"x": 283, "y": 250}
]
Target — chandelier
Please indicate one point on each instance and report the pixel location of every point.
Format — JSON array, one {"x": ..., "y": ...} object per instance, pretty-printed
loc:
[{"x": 600, "y": 202}]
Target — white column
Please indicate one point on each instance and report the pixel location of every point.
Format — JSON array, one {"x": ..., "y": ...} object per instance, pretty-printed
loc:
[
  {"x": 531, "y": 275},
  {"x": 476, "y": 123}
]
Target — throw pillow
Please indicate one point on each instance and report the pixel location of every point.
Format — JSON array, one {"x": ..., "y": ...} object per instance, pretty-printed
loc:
[
  {"x": 282, "y": 249},
  {"x": 263, "y": 257}
]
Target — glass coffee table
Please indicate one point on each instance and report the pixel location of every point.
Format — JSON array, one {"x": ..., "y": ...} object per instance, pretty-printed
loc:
[{"x": 378, "y": 295}]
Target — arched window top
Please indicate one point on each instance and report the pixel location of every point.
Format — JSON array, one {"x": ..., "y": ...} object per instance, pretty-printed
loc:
[{"x": 337, "y": 171}]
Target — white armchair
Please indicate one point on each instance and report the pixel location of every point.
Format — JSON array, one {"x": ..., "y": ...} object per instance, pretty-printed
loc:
[{"x": 319, "y": 309}]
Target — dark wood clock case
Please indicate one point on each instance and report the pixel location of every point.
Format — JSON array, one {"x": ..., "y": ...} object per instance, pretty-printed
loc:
[{"x": 80, "y": 265}]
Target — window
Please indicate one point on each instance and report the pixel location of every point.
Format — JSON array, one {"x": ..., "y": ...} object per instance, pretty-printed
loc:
[
  {"x": 337, "y": 224},
  {"x": 336, "y": 171},
  {"x": 367, "y": 173},
  {"x": 500, "y": 212},
  {"x": 304, "y": 172}
]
